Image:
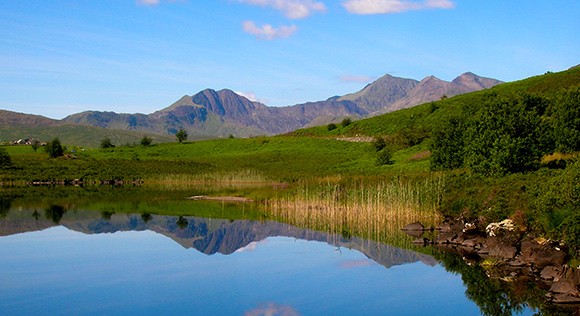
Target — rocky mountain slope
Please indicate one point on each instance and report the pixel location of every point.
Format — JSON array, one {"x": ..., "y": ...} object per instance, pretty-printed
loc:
[{"x": 211, "y": 113}]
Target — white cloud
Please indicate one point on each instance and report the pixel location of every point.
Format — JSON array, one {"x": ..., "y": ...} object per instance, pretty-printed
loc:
[
  {"x": 355, "y": 78},
  {"x": 292, "y": 9},
  {"x": 148, "y": 2},
  {"x": 267, "y": 32},
  {"x": 393, "y": 6}
]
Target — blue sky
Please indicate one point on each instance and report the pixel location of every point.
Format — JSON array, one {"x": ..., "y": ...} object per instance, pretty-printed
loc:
[{"x": 59, "y": 57}]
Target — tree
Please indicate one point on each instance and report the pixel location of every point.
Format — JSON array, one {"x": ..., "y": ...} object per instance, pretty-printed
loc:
[
  {"x": 331, "y": 126},
  {"x": 503, "y": 137},
  {"x": 379, "y": 143},
  {"x": 106, "y": 143},
  {"x": 146, "y": 141},
  {"x": 447, "y": 146},
  {"x": 35, "y": 144},
  {"x": 567, "y": 121},
  {"x": 5, "y": 160},
  {"x": 181, "y": 135},
  {"x": 54, "y": 148},
  {"x": 384, "y": 157},
  {"x": 346, "y": 122}
]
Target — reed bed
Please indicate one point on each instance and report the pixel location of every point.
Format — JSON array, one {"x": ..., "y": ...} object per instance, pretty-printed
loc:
[
  {"x": 232, "y": 178},
  {"x": 375, "y": 211}
]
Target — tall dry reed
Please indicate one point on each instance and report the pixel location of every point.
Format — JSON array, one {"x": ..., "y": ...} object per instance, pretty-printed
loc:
[{"x": 374, "y": 211}]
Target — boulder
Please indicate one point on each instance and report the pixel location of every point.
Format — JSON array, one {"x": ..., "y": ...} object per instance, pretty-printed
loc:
[
  {"x": 499, "y": 248},
  {"x": 416, "y": 226},
  {"x": 542, "y": 255},
  {"x": 551, "y": 273}
]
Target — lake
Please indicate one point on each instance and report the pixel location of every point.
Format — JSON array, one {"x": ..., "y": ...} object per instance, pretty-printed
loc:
[{"x": 79, "y": 259}]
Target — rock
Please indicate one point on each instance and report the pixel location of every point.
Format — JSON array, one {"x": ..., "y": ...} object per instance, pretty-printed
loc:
[
  {"x": 416, "y": 226},
  {"x": 551, "y": 273},
  {"x": 562, "y": 298},
  {"x": 496, "y": 247},
  {"x": 542, "y": 256},
  {"x": 565, "y": 286}
]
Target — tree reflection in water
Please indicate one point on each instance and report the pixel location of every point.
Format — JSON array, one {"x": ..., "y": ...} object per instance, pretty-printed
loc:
[{"x": 55, "y": 213}]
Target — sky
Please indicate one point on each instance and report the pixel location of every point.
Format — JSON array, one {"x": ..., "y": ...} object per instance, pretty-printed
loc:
[{"x": 59, "y": 57}]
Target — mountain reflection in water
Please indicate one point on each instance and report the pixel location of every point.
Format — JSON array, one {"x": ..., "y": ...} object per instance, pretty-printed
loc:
[
  {"x": 240, "y": 267},
  {"x": 208, "y": 236}
]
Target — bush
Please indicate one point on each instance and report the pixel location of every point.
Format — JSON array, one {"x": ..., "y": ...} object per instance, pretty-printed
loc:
[
  {"x": 181, "y": 135},
  {"x": 346, "y": 122},
  {"x": 384, "y": 157},
  {"x": 146, "y": 141},
  {"x": 5, "y": 160},
  {"x": 106, "y": 143},
  {"x": 379, "y": 143},
  {"x": 54, "y": 148},
  {"x": 569, "y": 232},
  {"x": 331, "y": 126}
]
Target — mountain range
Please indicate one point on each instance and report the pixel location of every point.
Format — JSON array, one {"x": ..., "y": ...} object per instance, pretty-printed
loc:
[
  {"x": 210, "y": 113},
  {"x": 208, "y": 236}
]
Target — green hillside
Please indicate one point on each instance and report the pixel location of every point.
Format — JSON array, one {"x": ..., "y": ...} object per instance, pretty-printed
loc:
[
  {"x": 428, "y": 116},
  {"x": 77, "y": 135}
]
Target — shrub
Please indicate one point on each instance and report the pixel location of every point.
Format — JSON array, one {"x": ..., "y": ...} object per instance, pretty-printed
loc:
[
  {"x": 54, "y": 148},
  {"x": 181, "y": 135},
  {"x": 384, "y": 157},
  {"x": 5, "y": 160},
  {"x": 379, "y": 143},
  {"x": 106, "y": 143},
  {"x": 331, "y": 126},
  {"x": 146, "y": 141},
  {"x": 346, "y": 122},
  {"x": 569, "y": 232}
]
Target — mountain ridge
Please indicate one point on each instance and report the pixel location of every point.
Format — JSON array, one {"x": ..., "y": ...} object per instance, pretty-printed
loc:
[{"x": 210, "y": 113}]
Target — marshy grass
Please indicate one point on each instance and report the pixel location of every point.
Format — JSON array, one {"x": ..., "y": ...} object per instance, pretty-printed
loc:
[
  {"x": 239, "y": 177},
  {"x": 375, "y": 211}
]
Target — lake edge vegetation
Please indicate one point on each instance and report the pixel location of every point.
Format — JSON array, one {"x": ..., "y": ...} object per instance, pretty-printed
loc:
[{"x": 507, "y": 152}]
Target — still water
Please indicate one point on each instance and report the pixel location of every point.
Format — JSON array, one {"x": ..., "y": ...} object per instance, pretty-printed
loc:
[{"x": 85, "y": 262}]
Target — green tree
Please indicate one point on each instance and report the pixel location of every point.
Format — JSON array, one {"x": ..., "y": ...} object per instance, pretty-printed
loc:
[
  {"x": 331, "y": 126},
  {"x": 566, "y": 117},
  {"x": 447, "y": 146},
  {"x": 384, "y": 157},
  {"x": 503, "y": 137},
  {"x": 379, "y": 143},
  {"x": 54, "y": 148},
  {"x": 146, "y": 141},
  {"x": 35, "y": 144},
  {"x": 5, "y": 160},
  {"x": 106, "y": 143},
  {"x": 346, "y": 122},
  {"x": 181, "y": 135}
]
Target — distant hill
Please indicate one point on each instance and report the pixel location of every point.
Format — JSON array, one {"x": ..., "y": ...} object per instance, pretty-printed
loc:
[
  {"x": 388, "y": 93},
  {"x": 15, "y": 126},
  {"x": 211, "y": 113},
  {"x": 423, "y": 118}
]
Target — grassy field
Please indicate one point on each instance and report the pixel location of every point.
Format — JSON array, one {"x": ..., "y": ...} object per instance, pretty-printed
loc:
[{"x": 544, "y": 199}]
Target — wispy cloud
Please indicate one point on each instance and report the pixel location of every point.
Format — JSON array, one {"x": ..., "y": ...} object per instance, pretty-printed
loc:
[
  {"x": 267, "y": 32},
  {"x": 148, "y": 2},
  {"x": 272, "y": 309},
  {"x": 292, "y": 9},
  {"x": 393, "y": 6},
  {"x": 355, "y": 78}
]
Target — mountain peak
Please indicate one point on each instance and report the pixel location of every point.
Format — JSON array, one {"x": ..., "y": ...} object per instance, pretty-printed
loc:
[{"x": 475, "y": 82}]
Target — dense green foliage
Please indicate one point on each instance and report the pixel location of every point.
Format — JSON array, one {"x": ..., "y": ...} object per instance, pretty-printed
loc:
[
  {"x": 489, "y": 144},
  {"x": 106, "y": 143},
  {"x": 181, "y": 135},
  {"x": 146, "y": 141},
  {"x": 5, "y": 160},
  {"x": 54, "y": 148}
]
